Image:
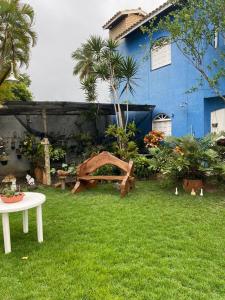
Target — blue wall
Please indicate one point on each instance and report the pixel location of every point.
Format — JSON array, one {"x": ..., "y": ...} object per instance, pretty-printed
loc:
[{"x": 166, "y": 87}]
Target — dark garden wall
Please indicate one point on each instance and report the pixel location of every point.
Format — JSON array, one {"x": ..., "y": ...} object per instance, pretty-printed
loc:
[{"x": 61, "y": 127}]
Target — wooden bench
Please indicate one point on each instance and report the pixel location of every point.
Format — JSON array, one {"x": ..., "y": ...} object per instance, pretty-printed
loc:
[{"x": 85, "y": 179}]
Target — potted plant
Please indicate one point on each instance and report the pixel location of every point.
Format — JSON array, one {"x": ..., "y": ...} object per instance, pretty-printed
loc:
[
  {"x": 33, "y": 150},
  {"x": 18, "y": 153},
  {"x": 13, "y": 145},
  {"x": 10, "y": 196},
  {"x": 4, "y": 158},
  {"x": 65, "y": 171}
]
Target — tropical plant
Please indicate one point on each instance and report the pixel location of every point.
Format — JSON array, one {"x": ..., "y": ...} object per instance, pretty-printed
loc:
[
  {"x": 142, "y": 167},
  {"x": 195, "y": 27},
  {"x": 100, "y": 59},
  {"x": 16, "y": 35},
  {"x": 190, "y": 159},
  {"x": 124, "y": 146},
  {"x": 153, "y": 139},
  {"x": 33, "y": 149}
]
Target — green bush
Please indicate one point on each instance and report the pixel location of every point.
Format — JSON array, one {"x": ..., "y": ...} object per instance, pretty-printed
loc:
[
  {"x": 142, "y": 167},
  {"x": 189, "y": 157},
  {"x": 124, "y": 145},
  {"x": 107, "y": 170}
]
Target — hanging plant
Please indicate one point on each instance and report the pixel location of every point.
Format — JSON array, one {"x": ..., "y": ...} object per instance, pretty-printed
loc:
[
  {"x": 13, "y": 145},
  {"x": 4, "y": 158},
  {"x": 18, "y": 153}
]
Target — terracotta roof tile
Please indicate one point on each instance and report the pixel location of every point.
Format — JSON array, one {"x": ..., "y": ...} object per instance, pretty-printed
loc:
[
  {"x": 148, "y": 17},
  {"x": 124, "y": 12}
]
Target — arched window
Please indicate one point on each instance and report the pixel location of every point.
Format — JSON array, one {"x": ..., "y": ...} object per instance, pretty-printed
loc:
[
  {"x": 162, "y": 122},
  {"x": 161, "y": 54}
]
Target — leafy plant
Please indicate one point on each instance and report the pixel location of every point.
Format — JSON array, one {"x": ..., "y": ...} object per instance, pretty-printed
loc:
[
  {"x": 153, "y": 138},
  {"x": 17, "y": 35},
  {"x": 107, "y": 170},
  {"x": 99, "y": 59},
  {"x": 142, "y": 167},
  {"x": 190, "y": 159},
  {"x": 70, "y": 169},
  {"x": 33, "y": 149},
  {"x": 8, "y": 192},
  {"x": 124, "y": 147}
]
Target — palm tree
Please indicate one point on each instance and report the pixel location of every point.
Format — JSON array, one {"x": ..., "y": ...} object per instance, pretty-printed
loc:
[
  {"x": 86, "y": 56},
  {"x": 100, "y": 59},
  {"x": 16, "y": 35}
]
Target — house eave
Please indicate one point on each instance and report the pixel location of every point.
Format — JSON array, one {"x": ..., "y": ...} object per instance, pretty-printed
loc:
[{"x": 152, "y": 15}]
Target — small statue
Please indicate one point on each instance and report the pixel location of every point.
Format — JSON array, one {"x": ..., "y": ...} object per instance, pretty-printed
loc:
[
  {"x": 13, "y": 185},
  {"x": 176, "y": 192},
  {"x": 30, "y": 180}
]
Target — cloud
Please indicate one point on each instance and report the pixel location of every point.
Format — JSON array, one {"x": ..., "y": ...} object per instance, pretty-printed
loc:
[{"x": 61, "y": 27}]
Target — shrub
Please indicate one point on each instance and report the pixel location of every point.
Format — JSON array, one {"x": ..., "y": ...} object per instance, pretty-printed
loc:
[
  {"x": 142, "y": 167},
  {"x": 153, "y": 139},
  {"x": 107, "y": 170},
  {"x": 123, "y": 147}
]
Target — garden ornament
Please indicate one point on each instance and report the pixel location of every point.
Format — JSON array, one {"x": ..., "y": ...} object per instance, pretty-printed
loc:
[
  {"x": 201, "y": 193},
  {"x": 10, "y": 179},
  {"x": 193, "y": 192},
  {"x": 13, "y": 185},
  {"x": 176, "y": 192},
  {"x": 30, "y": 180}
]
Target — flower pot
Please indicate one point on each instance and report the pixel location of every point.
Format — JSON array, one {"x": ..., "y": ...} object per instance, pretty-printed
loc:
[
  {"x": 189, "y": 184},
  {"x": 4, "y": 162},
  {"x": 39, "y": 174},
  {"x": 62, "y": 173},
  {"x": 12, "y": 199}
]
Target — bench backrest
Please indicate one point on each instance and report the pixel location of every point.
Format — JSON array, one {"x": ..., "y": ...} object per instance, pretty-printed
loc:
[{"x": 104, "y": 158}]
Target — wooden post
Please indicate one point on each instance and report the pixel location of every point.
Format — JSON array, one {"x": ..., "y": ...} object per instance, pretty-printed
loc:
[{"x": 45, "y": 142}]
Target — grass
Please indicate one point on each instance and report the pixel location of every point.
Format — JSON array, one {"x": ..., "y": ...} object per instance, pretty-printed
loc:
[{"x": 150, "y": 245}]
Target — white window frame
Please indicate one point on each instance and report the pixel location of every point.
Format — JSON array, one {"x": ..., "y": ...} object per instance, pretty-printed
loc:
[
  {"x": 162, "y": 117},
  {"x": 158, "y": 51},
  {"x": 216, "y": 40}
]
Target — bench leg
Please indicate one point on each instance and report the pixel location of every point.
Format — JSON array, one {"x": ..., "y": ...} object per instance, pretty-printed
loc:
[
  {"x": 79, "y": 187},
  {"x": 124, "y": 188},
  {"x": 91, "y": 184},
  {"x": 132, "y": 183}
]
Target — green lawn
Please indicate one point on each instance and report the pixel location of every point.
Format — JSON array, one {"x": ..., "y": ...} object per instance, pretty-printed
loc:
[{"x": 149, "y": 245}]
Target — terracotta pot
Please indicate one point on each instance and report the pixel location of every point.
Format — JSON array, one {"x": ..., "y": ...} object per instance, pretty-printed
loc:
[
  {"x": 12, "y": 199},
  {"x": 39, "y": 174},
  {"x": 189, "y": 184}
]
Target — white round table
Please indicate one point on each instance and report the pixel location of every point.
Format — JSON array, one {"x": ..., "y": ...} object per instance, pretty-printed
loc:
[{"x": 30, "y": 200}]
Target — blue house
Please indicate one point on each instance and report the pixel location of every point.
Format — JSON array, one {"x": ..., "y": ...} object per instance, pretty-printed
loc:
[{"x": 165, "y": 76}]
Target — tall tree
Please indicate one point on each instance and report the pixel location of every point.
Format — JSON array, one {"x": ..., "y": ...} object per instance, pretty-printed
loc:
[
  {"x": 197, "y": 27},
  {"x": 16, "y": 35},
  {"x": 100, "y": 59}
]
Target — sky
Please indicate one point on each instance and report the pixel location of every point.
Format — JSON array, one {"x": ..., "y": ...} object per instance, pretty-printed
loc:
[{"x": 61, "y": 27}]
